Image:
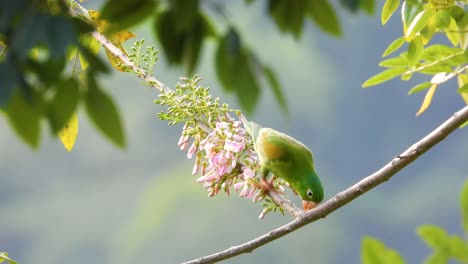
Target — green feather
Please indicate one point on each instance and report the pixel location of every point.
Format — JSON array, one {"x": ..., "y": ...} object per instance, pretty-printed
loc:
[{"x": 287, "y": 158}]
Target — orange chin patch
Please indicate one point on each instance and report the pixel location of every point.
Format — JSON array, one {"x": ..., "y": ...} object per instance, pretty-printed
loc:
[{"x": 308, "y": 205}]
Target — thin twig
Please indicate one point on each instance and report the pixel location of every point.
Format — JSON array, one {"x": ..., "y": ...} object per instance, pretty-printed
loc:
[{"x": 346, "y": 196}]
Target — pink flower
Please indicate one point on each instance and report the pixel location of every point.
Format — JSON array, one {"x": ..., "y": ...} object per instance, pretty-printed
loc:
[{"x": 234, "y": 146}]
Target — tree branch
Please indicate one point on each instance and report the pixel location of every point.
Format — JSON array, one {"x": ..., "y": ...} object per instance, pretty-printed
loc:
[{"x": 346, "y": 196}]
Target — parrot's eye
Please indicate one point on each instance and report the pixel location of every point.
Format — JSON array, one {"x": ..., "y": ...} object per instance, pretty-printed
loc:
[{"x": 310, "y": 193}]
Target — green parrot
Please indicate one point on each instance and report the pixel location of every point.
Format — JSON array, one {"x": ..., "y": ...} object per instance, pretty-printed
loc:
[{"x": 289, "y": 159}]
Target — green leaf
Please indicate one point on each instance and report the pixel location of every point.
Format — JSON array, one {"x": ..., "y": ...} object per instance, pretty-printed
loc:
[
  {"x": 400, "y": 61},
  {"x": 464, "y": 124},
  {"x": 92, "y": 44},
  {"x": 420, "y": 87},
  {"x": 427, "y": 99},
  {"x": 103, "y": 112},
  {"x": 415, "y": 49},
  {"x": 419, "y": 22},
  {"x": 24, "y": 118},
  {"x": 458, "y": 249},
  {"x": 452, "y": 32},
  {"x": 395, "y": 45},
  {"x": 375, "y": 252},
  {"x": 463, "y": 89},
  {"x": 235, "y": 67},
  {"x": 368, "y": 6},
  {"x": 464, "y": 206},
  {"x": 9, "y": 77},
  {"x": 384, "y": 76},
  {"x": 275, "y": 86},
  {"x": 388, "y": 9},
  {"x": 323, "y": 14},
  {"x": 187, "y": 13},
  {"x": 442, "y": 18},
  {"x": 437, "y": 257},
  {"x": 63, "y": 104},
  {"x": 288, "y": 15},
  {"x": 409, "y": 10},
  {"x": 126, "y": 13},
  {"x": 434, "y": 236}
]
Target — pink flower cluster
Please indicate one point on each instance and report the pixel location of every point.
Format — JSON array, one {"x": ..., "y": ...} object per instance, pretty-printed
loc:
[{"x": 225, "y": 158}]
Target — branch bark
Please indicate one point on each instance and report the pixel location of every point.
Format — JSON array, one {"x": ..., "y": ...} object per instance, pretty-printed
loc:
[{"x": 384, "y": 174}]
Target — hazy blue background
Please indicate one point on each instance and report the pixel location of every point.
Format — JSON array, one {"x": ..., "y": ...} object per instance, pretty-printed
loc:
[{"x": 99, "y": 204}]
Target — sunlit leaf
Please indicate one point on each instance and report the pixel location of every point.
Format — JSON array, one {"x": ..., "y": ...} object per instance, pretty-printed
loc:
[
  {"x": 463, "y": 89},
  {"x": 69, "y": 132},
  {"x": 118, "y": 39},
  {"x": 395, "y": 45},
  {"x": 4, "y": 256},
  {"x": 415, "y": 49},
  {"x": 434, "y": 236},
  {"x": 464, "y": 206},
  {"x": 442, "y": 18},
  {"x": 388, "y": 9},
  {"x": 384, "y": 76},
  {"x": 420, "y": 87},
  {"x": 103, "y": 112},
  {"x": 409, "y": 10},
  {"x": 92, "y": 44},
  {"x": 427, "y": 99},
  {"x": 437, "y": 257},
  {"x": 458, "y": 249},
  {"x": 418, "y": 23},
  {"x": 375, "y": 252},
  {"x": 452, "y": 32},
  {"x": 400, "y": 61}
]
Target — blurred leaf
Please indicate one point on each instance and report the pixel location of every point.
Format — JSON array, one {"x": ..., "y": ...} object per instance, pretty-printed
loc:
[
  {"x": 235, "y": 68},
  {"x": 384, "y": 76},
  {"x": 123, "y": 14},
  {"x": 49, "y": 71},
  {"x": 352, "y": 5},
  {"x": 409, "y": 10},
  {"x": 442, "y": 18},
  {"x": 395, "y": 45},
  {"x": 276, "y": 87},
  {"x": 103, "y": 112},
  {"x": 426, "y": 102},
  {"x": 434, "y": 236},
  {"x": 463, "y": 89},
  {"x": 288, "y": 15},
  {"x": 452, "y": 32},
  {"x": 171, "y": 42},
  {"x": 92, "y": 44},
  {"x": 118, "y": 39},
  {"x": 394, "y": 62},
  {"x": 63, "y": 104},
  {"x": 9, "y": 79},
  {"x": 368, "y": 6},
  {"x": 419, "y": 22},
  {"x": 458, "y": 249},
  {"x": 437, "y": 257},
  {"x": 415, "y": 49},
  {"x": 69, "y": 133},
  {"x": 388, "y": 9},
  {"x": 464, "y": 206},
  {"x": 186, "y": 12},
  {"x": 4, "y": 256},
  {"x": 24, "y": 118},
  {"x": 420, "y": 87},
  {"x": 427, "y": 33},
  {"x": 375, "y": 252},
  {"x": 324, "y": 16},
  {"x": 93, "y": 61}
]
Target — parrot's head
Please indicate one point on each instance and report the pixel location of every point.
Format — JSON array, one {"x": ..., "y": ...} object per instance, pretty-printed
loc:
[{"x": 311, "y": 192}]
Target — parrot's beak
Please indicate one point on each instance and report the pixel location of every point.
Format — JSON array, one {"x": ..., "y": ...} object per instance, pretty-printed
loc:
[{"x": 308, "y": 205}]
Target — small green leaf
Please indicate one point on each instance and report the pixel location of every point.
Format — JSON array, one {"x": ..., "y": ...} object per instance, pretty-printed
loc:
[
  {"x": 103, "y": 112},
  {"x": 276, "y": 87},
  {"x": 24, "y": 118},
  {"x": 437, "y": 257},
  {"x": 4, "y": 256},
  {"x": 420, "y": 87},
  {"x": 375, "y": 252},
  {"x": 92, "y": 44},
  {"x": 442, "y": 18},
  {"x": 395, "y": 45},
  {"x": 419, "y": 22},
  {"x": 388, "y": 9},
  {"x": 458, "y": 249},
  {"x": 288, "y": 15},
  {"x": 434, "y": 236},
  {"x": 415, "y": 49},
  {"x": 463, "y": 89},
  {"x": 384, "y": 76},
  {"x": 464, "y": 206},
  {"x": 400, "y": 61},
  {"x": 368, "y": 6},
  {"x": 464, "y": 124},
  {"x": 452, "y": 32},
  {"x": 323, "y": 14},
  {"x": 63, "y": 104}
]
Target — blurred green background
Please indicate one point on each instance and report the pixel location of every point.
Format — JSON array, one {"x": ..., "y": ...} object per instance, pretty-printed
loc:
[{"x": 99, "y": 204}]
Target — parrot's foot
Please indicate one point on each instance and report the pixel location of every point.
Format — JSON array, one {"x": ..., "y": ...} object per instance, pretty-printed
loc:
[{"x": 267, "y": 185}]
